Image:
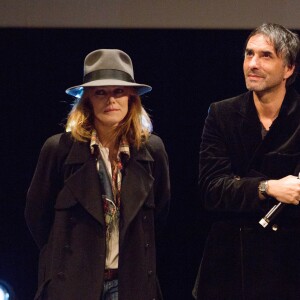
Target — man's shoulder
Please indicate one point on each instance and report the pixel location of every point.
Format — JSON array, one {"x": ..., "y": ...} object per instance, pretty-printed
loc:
[
  {"x": 236, "y": 100},
  {"x": 232, "y": 105}
]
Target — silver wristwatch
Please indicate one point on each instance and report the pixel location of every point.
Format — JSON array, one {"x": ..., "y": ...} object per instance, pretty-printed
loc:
[{"x": 263, "y": 188}]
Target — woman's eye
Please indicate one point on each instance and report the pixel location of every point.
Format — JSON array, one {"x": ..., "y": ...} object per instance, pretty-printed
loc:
[
  {"x": 119, "y": 91},
  {"x": 100, "y": 92}
]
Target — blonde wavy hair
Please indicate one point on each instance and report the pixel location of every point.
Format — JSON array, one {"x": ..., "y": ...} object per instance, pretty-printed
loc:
[{"x": 135, "y": 127}]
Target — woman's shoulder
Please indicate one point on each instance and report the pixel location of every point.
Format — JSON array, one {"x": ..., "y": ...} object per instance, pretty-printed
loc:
[
  {"x": 58, "y": 142},
  {"x": 155, "y": 145},
  {"x": 154, "y": 142}
]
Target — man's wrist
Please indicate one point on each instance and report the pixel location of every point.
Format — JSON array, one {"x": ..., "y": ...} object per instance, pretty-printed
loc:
[{"x": 263, "y": 188}]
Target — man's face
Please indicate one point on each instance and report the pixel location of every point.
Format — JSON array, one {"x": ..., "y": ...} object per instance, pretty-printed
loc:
[{"x": 264, "y": 70}]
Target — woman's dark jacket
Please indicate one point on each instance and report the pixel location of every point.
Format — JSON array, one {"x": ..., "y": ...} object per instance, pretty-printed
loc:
[
  {"x": 65, "y": 216},
  {"x": 243, "y": 260}
]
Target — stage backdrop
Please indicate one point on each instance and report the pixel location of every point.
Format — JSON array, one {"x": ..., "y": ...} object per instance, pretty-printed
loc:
[
  {"x": 192, "y": 14},
  {"x": 188, "y": 69}
]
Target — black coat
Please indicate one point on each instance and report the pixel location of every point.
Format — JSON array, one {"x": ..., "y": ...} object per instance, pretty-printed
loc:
[
  {"x": 65, "y": 216},
  {"x": 243, "y": 260}
]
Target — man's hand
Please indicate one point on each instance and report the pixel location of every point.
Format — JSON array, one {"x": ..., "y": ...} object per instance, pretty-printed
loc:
[{"x": 286, "y": 189}]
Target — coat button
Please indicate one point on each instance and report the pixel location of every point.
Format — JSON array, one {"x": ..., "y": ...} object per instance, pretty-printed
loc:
[
  {"x": 67, "y": 248},
  {"x": 145, "y": 217},
  {"x": 275, "y": 227},
  {"x": 150, "y": 272},
  {"x": 61, "y": 275},
  {"x": 72, "y": 220},
  {"x": 147, "y": 245}
]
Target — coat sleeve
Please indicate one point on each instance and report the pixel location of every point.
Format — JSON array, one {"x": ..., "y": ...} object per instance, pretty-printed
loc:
[
  {"x": 160, "y": 173},
  {"x": 45, "y": 185},
  {"x": 220, "y": 188}
]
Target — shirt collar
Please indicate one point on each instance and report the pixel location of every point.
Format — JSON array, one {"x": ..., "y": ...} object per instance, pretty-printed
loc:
[{"x": 124, "y": 150}]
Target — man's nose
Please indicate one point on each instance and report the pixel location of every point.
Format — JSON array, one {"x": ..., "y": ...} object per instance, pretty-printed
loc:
[{"x": 254, "y": 62}]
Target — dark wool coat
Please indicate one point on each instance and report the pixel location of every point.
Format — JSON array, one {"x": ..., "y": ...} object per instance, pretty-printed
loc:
[
  {"x": 243, "y": 260},
  {"x": 65, "y": 216}
]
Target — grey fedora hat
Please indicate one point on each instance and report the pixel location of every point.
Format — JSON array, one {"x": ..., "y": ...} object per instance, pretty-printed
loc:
[{"x": 107, "y": 67}]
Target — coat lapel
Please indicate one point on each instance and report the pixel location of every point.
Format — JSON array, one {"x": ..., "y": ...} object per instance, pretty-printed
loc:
[
  {"x": 250, "y": 130},
  {"x": 83, "y": 181},
  {"x": 136, "y": 185}
]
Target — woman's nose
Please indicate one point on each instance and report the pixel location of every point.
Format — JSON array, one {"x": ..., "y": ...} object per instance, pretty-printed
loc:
[{"x": 111, "y": 97}]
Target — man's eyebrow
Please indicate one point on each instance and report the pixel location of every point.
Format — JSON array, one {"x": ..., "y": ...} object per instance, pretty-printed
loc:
[
  {"x": 248, "y": 50},
  {"x": 267, "y": 51}
]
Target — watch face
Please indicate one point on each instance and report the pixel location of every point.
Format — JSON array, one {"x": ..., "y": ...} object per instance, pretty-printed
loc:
[{"x": 263, "y": 188}]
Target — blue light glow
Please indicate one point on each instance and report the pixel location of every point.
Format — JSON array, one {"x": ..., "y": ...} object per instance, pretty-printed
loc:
[
  {"x": 4, "y": 295},
  {"x": 146, "y": 123},
  {"x": 6, "y": 292}
]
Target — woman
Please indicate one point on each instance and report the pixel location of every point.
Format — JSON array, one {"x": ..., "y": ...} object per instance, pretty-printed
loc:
[{"x": 100, "y": 190}]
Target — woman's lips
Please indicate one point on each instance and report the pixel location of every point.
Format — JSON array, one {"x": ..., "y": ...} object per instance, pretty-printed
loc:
[{"x": 110, "y": 109}]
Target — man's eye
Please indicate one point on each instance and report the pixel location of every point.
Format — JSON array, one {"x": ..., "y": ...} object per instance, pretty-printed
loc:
[{"x": 248, "y": 53}]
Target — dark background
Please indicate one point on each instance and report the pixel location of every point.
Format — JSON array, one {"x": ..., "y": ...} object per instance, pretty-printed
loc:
[{"x": 188, "y": 69}]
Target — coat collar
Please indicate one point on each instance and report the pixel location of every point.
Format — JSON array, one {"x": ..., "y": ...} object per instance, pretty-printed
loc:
[
  {"x": 79, "y": 153},
  {"x": 290, "y": 105},
  {"x": 250, "y": 129},
  {"x": 84, "y": 182}
]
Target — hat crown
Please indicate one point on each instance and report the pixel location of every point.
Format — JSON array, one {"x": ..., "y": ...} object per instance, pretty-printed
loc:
[
  {"x": 108, "y": 59},
  {"x": 108, "y": 67}
]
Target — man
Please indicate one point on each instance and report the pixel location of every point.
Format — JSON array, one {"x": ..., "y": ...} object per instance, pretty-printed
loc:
[{"x": 249, "y": 162}]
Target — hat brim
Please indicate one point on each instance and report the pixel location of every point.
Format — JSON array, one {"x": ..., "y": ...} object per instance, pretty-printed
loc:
[{"x": 76, "y": 91}]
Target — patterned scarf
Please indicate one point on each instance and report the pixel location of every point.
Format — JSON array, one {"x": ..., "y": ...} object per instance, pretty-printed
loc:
[{"x": 110, "y": 185}]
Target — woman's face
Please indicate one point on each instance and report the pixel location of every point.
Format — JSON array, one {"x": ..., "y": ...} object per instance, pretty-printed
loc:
[{"x": 110, "y": 105}]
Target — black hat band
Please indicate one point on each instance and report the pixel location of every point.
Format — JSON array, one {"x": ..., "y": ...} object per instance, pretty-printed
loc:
[{"x": 107, "y": 74}]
